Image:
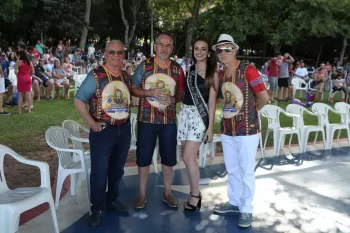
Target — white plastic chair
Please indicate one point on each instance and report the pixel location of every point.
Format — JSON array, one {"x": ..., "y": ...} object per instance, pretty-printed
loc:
[
  {"x": 272, "y": 113},
  {"x": 298, "y": 84},
  {"x": 61, "y": 87},
  {"x": 305, "y": 130},
  {"x": 78, "y": 79},
  {"x": 133, "y": 123},
  {"x": 75, "y": 129},
  {"x": 57, "y": 138},
  {"x": 323, "y": 109},
  {"x": 16, "y": 201}
]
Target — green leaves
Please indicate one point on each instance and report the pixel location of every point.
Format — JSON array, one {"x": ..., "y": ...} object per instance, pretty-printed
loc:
[{"x": 9, "y": 10}]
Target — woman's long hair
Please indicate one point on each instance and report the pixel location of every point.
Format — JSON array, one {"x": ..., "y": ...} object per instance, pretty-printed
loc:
[
  {"x": 24, "y": 56},
  {"x": 211, "y": 65}
]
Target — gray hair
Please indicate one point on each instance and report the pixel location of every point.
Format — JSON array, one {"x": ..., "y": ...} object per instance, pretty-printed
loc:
[
  {"x": 165, "y": 34},
  {"x": 114, "y": 42}
]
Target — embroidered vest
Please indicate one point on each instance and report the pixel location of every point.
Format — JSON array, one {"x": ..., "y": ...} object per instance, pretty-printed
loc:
[
  {"x": 111, "y": 102},
  {"x": 148, "y": 113},
  {"x": 239, "y": 105}
]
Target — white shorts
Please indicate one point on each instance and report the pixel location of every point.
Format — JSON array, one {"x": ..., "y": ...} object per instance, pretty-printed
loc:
[
  {"x": 61, "y": 80},
  {"x": 2, "y": 85},
  {"x": 190, "y": 125}
]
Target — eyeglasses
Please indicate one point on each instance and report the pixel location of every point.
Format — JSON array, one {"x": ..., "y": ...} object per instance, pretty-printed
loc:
[
  {"x": 226, "y": 49},
  {"x": 119, "y": 52},
  {"x": 3, "y": 55}
]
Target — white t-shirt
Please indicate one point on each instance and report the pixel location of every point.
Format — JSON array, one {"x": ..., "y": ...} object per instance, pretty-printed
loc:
[
  {"x": 91, "y": 50},
  {"x": 301, "y": 72}
]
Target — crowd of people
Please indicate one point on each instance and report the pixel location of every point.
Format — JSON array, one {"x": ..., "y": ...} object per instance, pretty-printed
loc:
[
  {"x": 281, "y": 70},
  {"x": 160, "y": 83}
]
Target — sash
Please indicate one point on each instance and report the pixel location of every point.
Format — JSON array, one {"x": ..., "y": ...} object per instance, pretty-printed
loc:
[{"x": 197, "y": 97}]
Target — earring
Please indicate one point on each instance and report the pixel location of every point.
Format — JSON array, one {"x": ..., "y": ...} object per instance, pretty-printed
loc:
[{"x": 208, "y": 54}]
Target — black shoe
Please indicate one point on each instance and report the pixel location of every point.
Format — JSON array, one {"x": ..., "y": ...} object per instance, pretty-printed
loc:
[
  {"x": 9, "y": 104},
  {"x": 193, "y": 208},
  {"x": 117, "y": 205},
  {"x": 95, "y": 218},
  {"x": 3, "y": 113}
]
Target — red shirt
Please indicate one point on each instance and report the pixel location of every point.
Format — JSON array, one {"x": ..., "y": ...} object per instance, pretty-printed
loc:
[
  {"x": 273, "y": 67},
  {"x": 35, "y": 53}
]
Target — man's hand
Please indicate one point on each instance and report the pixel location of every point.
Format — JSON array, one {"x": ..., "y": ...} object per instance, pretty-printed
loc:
[
  {"x": 96, "y": 126},
  {"x": 209, "y": 135},
  {"x": 158, "y": 93},
  {"x": 166, "y": 99}
]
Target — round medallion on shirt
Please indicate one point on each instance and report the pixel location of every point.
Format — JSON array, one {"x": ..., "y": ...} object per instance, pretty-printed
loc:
[
  {"x": 163, "y": 82},
  {"x": 233, "y": 98},
  {"x": 116, "y": 100}
]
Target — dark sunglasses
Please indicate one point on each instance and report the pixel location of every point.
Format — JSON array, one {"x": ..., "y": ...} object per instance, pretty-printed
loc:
[
  {"x": 226, "y": 49},
  {"x": 3, "y": 55},
  {"x": 119, "y": 52}
]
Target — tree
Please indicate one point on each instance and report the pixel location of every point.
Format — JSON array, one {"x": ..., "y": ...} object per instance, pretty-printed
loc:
[
  {"x": 134, "y": 7},
  {"x": 191, "y": 26},
  {"x": 85, "y": 30},
  {"x": 9, "y": 10}
]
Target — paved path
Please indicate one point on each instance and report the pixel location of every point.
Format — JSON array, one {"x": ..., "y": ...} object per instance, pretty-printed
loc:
[{"x": 307, "y": 194}]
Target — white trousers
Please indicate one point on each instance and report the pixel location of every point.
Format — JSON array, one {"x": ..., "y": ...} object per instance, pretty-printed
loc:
[{"x": 239, "y": 155}]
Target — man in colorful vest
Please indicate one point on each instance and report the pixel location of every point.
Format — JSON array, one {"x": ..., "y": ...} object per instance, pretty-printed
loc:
[
  {"x": 239, "y": 127},
  {"x": 159, "y": 82},
  {"x": 107, "y": 90}
]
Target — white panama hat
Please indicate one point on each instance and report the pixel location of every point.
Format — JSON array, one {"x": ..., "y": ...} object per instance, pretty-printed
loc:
[{"x": 225, "y": 39}]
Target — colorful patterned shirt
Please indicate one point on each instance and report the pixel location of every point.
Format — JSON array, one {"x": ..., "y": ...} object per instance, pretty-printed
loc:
[
  {"x": 108, "y": 95},
  {"x": 144, "y": 73},
  {"x": 240, "y": 116}
]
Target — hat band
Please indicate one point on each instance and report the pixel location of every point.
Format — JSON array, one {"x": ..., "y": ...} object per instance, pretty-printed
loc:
[{"x": 225, "y": 41}]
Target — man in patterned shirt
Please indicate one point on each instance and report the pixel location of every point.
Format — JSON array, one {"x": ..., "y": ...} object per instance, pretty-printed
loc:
[
  {"x": 159, "y": 82},
  {"x": 239, "y": 127},
  {"x": 110, "y": 132}
]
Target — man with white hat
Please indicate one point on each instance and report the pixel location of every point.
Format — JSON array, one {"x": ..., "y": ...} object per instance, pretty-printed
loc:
[{"x": 244, "y": 93}]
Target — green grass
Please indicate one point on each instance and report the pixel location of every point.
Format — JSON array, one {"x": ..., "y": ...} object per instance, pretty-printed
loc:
[{"x": 25, "y": 132}]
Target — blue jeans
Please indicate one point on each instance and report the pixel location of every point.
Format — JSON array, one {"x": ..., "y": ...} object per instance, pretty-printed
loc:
[{"x": 109, "y": 150}]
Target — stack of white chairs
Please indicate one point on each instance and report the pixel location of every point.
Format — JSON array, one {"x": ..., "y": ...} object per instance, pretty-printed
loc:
[
  {"x": 272, "y": 113},
  {"x": 305, "y": 130},
  {"x": 57, "y": 139},
  {"x": 342, "y": 111},
  {"x": 78, "y": 79},
  {"x": 16, "y": 201}
]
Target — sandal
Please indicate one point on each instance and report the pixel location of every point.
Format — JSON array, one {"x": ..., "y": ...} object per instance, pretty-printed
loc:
[{"x": 191, "y": 208}]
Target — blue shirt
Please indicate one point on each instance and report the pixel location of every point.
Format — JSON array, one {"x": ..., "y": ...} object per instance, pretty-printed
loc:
[
  {"x": 87, "y": 88},
  {"x": 137, "y": 76},
  {"x": 4, "y": 66}
]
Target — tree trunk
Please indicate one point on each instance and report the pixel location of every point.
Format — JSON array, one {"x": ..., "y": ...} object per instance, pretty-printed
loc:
[
  {"x": 345, "y": 43},
  {"x": 277, "y": 48},
  {"x": 134, "y": 8},
  {"x": 191, "y": 26},
  {"x": 319, "y": 54},
  {"x": 85, "y": 31}
]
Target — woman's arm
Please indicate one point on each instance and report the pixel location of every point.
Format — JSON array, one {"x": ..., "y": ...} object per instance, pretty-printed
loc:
[{"x": 17, "y": 66}]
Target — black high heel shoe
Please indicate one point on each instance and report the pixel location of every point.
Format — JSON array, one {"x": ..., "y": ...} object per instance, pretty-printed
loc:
[{"x": 192, "y": 208}]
